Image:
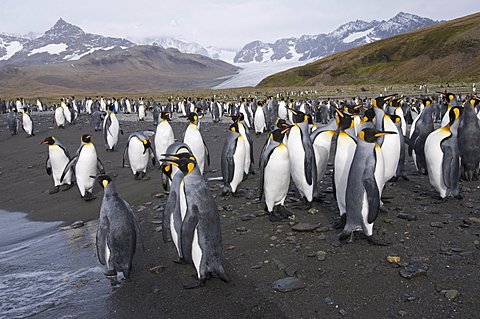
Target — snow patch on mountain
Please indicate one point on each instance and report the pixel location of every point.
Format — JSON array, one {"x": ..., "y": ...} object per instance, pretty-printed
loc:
[
  {"x": 356, "y": 35},
  {"x": 50, "y": 48}
]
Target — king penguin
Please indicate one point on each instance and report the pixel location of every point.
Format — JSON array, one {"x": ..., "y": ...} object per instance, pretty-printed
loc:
[
  {"x": 139, "y": 150},
  {"x": 442, "y": 157},
  {"x": 275, "y": 175},
  {"x": 12, "y": 121},
  {"x": 193, "y": 138},
  {"x": 58, "y": 158},
  {"x": 170, "y": 170},
  {"x": 243, "y": 129},
  {"x": 164, "y": 135},
  {"x": 201, "y": 233},
  {"x": 117, "y": 231},
  {"x": 469, "y": 141},
  {"x": 259, "y": 119},
  {"x": 344, "y": 152},
  {"x": 111, "y": 129},
  {"x": 302, "y": 157},
  {"x": 60, "y": 117},
  {"x": 233, "y": 160},
  {"x": 27, "y": 123},
  {"x": 365, "y": 177},
  {"x": 85, "y": 164},
  {"x": 421, "y": 127}
]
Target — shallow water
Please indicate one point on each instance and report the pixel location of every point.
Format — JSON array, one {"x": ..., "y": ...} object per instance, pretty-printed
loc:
[{"x": 49, "y": 272}]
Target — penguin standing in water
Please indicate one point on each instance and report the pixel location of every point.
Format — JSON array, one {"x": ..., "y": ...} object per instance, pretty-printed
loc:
[
  {"x": 275, "y": 175},
  {"x": 58, "y": 158},
  {"x": 111, "y": 128},
  {"x": 117, "y": 231},
  {"x": 12, "y": 121},
  {"x": 302, "y": 157},
  {"x": 164, "y": 136},
  {"x": 201, "y": 236},
  {"x": 193, "y": 138},
  {"x": 27, "y": 123},
  {"x": 85, "y": 164},
  {"x": 233, "y": 160},
  {"x": 442, "y": 157},
  {"x": 365, "y": 177},
  {"x": 139, "y": 149}
]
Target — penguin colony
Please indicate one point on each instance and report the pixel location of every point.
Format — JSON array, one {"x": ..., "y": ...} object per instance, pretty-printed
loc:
[{"x": 366, "y": 139}]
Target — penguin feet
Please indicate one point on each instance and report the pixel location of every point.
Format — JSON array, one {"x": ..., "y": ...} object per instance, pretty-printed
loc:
[
  {"x": 273, "y": 216},
  {"x": 180, "y": 261},
  {"x": 341, "y": 224},
  {"x": 195, "y": 284},
  {"x": 55, "y": 190},
  {"x": 89, "y": 196},
  {"x": 68, "y": 187},
  {"x": 283, "y": 211},
  {"x": 377, "y": 242}
]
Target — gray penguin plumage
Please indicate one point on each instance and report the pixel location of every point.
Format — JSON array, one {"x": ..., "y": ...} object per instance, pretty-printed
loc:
[
  {"x": 469, "y": 141},
  {"x": 421, "y": 127},
  {"x": 97, "y": 120},
  {"x": 364, "y": 178},
  {"x": 201, "y": 238},
  {"x": 117, "y": 231},
  {"x": 232, "y": 160},
  {"x": 12, "y": 121}
]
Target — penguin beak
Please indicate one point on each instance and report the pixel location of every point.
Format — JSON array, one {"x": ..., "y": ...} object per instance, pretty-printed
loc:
[{"x": 378, "y": 134}]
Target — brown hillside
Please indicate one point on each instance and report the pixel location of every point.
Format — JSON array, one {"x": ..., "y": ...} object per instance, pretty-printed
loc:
[
  {"x": 445, "y": 52},
  {"x": 133, "y": 70}
]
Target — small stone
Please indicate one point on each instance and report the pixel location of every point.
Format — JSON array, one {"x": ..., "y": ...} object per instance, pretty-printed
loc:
[
  {"x": 241, "y": 229},
  {"x": 436, "y": 224},
  {"x": 412, "y": 272},
  {"x": 402, "y": 313},
  {"x": 258, "y": 266},
  {"x": 451, "y": 294},
  {"x": 322, "y": 237},
  {"x": 156, "y": 222},
  {"x": 158, "y": 229},
  {"x": 230, "y": 247},
  {"x": 328, "y": 301},
  {"x": 287, "y": 284},
  {"x": 157, "y": 269},
  {"x": 393, "y": 259},
  {"x": 78, "y": 224},
  {"x": 291, "y": 270},
  {"x": 313, "y": 211},
  {"x": 343, "y": 312},
  {"x": 388, "y": 220},
  {"x": 305, "y": 227},
  {"x": 273, "y": 238},
  {"x": 321, "y": 257},
  {"x": 474, "y": 219}
]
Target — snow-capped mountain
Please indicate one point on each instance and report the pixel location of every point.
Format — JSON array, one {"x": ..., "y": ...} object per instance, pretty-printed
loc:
[
  {"x": 347, "y": 36},
  {"x": 169, "y": 42},
  {"x": 62, "y": 43}
]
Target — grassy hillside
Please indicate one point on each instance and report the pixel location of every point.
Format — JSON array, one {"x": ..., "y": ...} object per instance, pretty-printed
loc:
[{"x": 445, "y": 52}]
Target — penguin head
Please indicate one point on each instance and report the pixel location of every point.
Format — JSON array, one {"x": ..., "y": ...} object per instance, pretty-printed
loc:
[
  {"x": 368, "y": 115},
  {"x": 49, "y": 140},
  {"x": 234, "y": 127},
  {"x": 298, "y": 116},
  {"x": 185, "y": 162},
  {"x": 103, "y": 180},
  {"x": 281, "y": 123},
  {"x": 427, "y": 101},
  {"x": 370, "y": 134},
  {"x": 454, "y": 113},
  {"x": 278, "y": 134},
  {"x": 86, "y": 138},
  {"x": 192, "y": 117},
  {"x": 146, "y": 145},
  {"x": 345, "y": 120},
  {"x": 394, "y": 118},
  {"x": 165, "y": 116},
  {"x": 380, "y": 101}
]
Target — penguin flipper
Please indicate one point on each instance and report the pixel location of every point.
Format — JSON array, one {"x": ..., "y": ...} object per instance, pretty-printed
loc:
[
  {"x": 100, "y": 166},
  {"x": 68, "y": 167},
  {"x": 207, "y": 153},
  {"x": 102, "y": 233},
  {"x": 447, "y": 164},
  {"x": 188, "y": 230},
  {"x": 167, "y": 211},
  {"x": 373, "y": 198},
  {"x": 48, "y": 166}
]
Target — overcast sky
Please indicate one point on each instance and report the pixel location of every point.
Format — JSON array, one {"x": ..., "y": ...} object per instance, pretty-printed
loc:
[{"x": 221, "y": 23}]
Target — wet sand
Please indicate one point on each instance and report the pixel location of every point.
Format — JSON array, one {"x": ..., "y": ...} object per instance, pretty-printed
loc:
[{"x": 437, "y": 238}]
